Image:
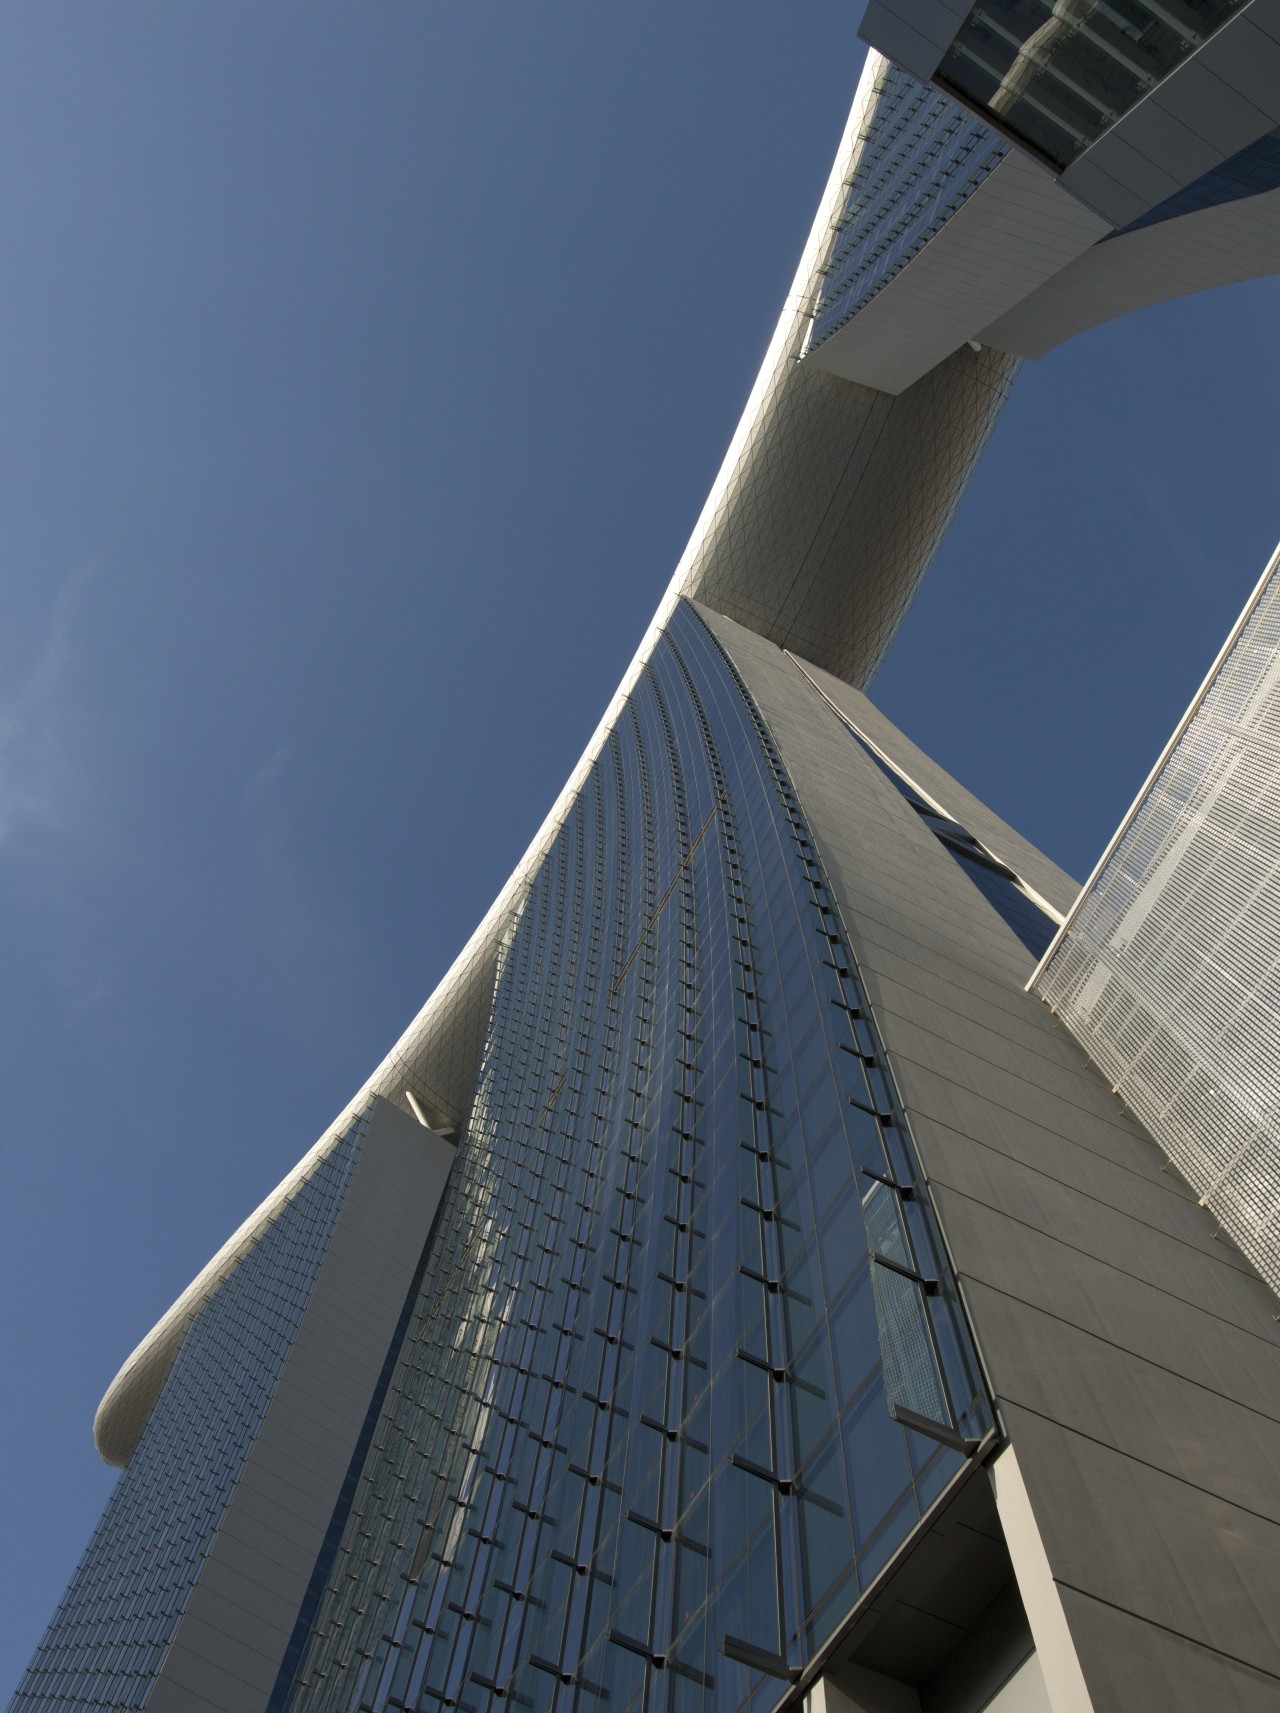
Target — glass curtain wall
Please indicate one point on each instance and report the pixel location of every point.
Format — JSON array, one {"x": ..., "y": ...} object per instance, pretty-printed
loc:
[
  {"x": 685, "y": 1368},
  {"x": 107, "y": 1640},
  {"x": 1058, "y": 73}
]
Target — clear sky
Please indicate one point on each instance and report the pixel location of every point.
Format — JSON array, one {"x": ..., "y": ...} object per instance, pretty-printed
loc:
[{"x": 364, "y": 369}]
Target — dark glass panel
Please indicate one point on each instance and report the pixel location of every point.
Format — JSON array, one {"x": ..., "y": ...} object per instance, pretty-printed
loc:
[{"x": 1058, "y": 73}]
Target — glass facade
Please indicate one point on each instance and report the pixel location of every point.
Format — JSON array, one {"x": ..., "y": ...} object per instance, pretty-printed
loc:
[
  {"x": 922, "y": 156},
  {"x": 686, "y": 1365},
  {"x": 108, "y": 1637},
  {"x": 1056, "y": 74}
]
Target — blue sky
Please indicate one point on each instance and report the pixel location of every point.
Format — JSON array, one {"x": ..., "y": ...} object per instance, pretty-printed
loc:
[{"x": 364, "y": 369}]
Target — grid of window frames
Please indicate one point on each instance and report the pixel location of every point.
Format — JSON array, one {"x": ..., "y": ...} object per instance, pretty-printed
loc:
[
  {"x": 922, "y": 157},
  {"x": 1058, "y": 73},
  {"x": 640, "y": 1448},
  {"x": 107, "y": 1640}
]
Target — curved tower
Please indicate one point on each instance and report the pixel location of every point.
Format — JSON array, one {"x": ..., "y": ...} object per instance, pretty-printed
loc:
[{"x": 732, "y": 1289}]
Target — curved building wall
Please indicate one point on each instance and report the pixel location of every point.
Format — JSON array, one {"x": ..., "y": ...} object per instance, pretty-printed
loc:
[
  {"x": 105, "y": 1644},
  {"x": 821, "y": 523},
  {"x": 922, "y": 155},
  {"x": 833, "y": 494},
  {"x": 642, "y": 1433},
  {"x": 838, "y": 502}
]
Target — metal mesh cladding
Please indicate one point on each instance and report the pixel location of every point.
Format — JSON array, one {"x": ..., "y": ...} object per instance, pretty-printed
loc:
[
  {"x": 638, "y": 1448},
  {"x": 1169, "y": 971}
]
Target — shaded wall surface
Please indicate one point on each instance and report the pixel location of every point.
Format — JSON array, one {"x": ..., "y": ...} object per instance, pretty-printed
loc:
[
  {"x": 838, "y": 500},
  {"x": 1133, "y": 1353}
]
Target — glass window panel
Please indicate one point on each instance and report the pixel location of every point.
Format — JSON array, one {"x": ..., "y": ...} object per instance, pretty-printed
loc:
[
  {"x": 1058, "y": 75},
  {"x": 825, "y": 1543},
  {"x": 876, "y": 1459}
]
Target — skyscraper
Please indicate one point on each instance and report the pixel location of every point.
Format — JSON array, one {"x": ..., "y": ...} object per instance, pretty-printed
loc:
[{"x": 733, "y": 1288}]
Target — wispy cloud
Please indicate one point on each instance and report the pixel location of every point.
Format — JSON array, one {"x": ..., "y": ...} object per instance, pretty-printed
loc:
[
  {"x": 47, "y": 827},
  {"x": 300, "y": 922},
  {"x": 291, "y": 905},
  {"x": 35, "y": 770},
  {"x": 263, "y": 780},
  {"x": 1188, "y": 555}
]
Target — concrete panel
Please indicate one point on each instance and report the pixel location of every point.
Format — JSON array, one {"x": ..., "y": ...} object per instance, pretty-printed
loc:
[
  {"x": 1016, "y": 230},
  {"x": 256, "y": 1546},
  {"x": 946, "y": 1005},
  {"x": 235, "y": 1583},
  {"x": 315, "y": 1415},
  {"x": 235, "y": 1635},
  {"x": 1113, "y": 1184},
  {"x": 900, "y": 41},
  {"x": 1036, "y": 1088},
  {"x": 936, "y": 20},
  {"x": 1263, "y": 15},
  {"x": 1140, "y": 182},
  {"x": 950, "y": 940},
  {"x": 980, "y": 1038},
  {"x": 1136, "y": 1407},
  {"x": 1171, "y": 147},
  {"x": 1193, "y": 1273},
  {"x": 1194, "y": 252},
  {"x": 314, "y": 1375},
  {"x": 1107, "y": 194},
  {"x": 278, "y": 1515},
  {"x": 192, "y": 1688},
  {"x": 304, "y": 1421},
  {"x": 923, "y": 968},
  {"x": 1111, "y": 1303},
  {"x": 1247, "y": 59},
  {"x": 214, "y": 1668},
  {"x": 1214, "y": 1577},
  {"x": 1138, "y": 1667},
  {"x": 300, "y": 1476},
  {"x": 167, "y": 1697},
  {"x": 1045, "y": 1133},
  {"x": 1131, "y": 1353},
  {"x": 1208, "y": 104}
]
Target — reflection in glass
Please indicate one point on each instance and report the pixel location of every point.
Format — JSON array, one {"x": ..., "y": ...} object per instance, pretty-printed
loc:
[{"x": 1057, "y": 73}]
